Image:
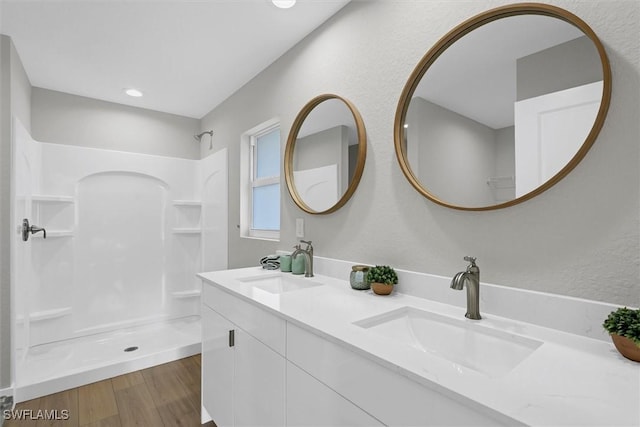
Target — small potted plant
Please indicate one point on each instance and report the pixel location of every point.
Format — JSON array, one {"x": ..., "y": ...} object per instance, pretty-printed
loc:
[
  {"x": 382, "y": 278},
  {"x": 623, "y": 325}
]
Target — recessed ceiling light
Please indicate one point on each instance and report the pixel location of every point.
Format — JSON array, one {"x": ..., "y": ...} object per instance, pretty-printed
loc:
[
  {"x": 133, "y": 92},
  {"x": 284, "y": 4}
]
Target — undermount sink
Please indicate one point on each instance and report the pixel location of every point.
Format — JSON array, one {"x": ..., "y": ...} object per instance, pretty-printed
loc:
[
  {"x": 278, "y": 283},
  {"x": 465, "y": 342}
]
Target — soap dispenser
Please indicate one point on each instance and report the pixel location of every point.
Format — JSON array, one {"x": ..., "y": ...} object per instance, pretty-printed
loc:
[{"x": 297, "y": 263}]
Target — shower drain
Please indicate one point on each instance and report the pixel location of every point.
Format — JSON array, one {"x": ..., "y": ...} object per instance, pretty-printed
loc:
[{"x": 128, "y": 349}]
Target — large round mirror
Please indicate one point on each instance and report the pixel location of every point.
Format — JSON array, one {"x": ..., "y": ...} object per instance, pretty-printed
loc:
[
  {"x": 325, "y": 154},
  {"x": 502, "y": 107}
]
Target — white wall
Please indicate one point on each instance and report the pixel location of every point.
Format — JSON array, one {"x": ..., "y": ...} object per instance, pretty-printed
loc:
[
  {"x": 15, "y": 93},
  {"x": 62, "y": 118},
  {"x": 580, "y": 238}
]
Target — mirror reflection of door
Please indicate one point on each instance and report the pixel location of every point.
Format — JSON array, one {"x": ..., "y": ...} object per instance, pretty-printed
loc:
[
  {"x": 549, "y": 130},
  {"x": 318, "y": 187},
  {"x": 503, "y": 110},
  {"x": 326, "y": 154}
]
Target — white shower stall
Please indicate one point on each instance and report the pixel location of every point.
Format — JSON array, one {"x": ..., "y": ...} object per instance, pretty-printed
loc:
[{"x": 112, "y": 287}]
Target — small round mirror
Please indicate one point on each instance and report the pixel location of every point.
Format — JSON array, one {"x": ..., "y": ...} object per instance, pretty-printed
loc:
[
  {"x": 502, "y": 107},
  {"x": 325, "y": 154}
]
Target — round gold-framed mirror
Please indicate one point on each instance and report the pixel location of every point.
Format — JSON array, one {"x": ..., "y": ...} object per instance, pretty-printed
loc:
[
  {"x": 325, "y": 154},
  {"x": 502, "y": 107}
]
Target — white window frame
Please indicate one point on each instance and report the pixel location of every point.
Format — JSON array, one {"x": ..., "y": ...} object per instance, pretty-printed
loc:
[{"x": 248, "y": 181}]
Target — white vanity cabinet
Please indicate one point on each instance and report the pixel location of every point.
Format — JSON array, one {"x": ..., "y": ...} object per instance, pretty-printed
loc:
[
  {"x": 309, "y": 352},
  {"x": 243, "y": 378},
  {"x": 248, "y": 382},
  {"x": 280, "y": 373}
]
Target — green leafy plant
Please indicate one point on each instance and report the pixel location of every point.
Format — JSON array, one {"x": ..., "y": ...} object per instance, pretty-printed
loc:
[
  {"x": 382, "y": 274},
  {"x": 624, "y": 322}
]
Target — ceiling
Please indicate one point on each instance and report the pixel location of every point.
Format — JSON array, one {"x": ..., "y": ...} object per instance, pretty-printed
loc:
[
  {"x": 186, "y": 56},
  {"x": 477, "y": 77}
]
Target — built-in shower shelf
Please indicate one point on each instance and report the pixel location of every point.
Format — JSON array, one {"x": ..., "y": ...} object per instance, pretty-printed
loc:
[
  {"x": 187, "y": 203},
  {"x": 187, "y": 216},
  {"x": 186, "y": 230},
  {"x": 55, "y": 234},
  {"x": 49, "y": 314},
  {"x": 194, "y": 293},
  {"x": 46, "y": 198}
]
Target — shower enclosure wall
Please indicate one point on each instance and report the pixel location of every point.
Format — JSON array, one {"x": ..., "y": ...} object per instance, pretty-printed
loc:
[{"x": 125, "y": 235}]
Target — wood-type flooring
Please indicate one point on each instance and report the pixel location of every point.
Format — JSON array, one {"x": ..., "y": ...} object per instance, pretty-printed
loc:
[{"x": 166, "y": 395}]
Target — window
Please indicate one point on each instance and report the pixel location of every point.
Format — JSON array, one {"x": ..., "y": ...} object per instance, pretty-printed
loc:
[{"x": 260, "y": 182}]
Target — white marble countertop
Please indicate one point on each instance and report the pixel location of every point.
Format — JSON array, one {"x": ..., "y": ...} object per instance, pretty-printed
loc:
[{"x": 568, "y": 380}]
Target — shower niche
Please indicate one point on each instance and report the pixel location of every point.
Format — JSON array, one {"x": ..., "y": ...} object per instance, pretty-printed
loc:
[
  {"x": 57, "y": 212},
  {"x": 187, "y": 216}
]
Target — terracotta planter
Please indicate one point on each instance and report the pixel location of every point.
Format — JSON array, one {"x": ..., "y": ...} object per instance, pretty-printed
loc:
[
  {"x": 626, "y": 347},
  {"x": 381, "y": 288}
]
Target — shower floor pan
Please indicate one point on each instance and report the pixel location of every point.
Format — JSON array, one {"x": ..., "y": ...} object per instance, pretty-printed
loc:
[{"x": 50, "y": 368}]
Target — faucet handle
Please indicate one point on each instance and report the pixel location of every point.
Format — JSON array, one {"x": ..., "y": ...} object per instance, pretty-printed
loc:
[
  {"x": 471, "y": 259},
  {"x": 307, "y": 242}
]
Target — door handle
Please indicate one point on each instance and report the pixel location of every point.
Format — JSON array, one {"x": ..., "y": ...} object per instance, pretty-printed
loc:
[
  {"x": 33, "y": 229},
  {"x": 232, "y": 338}
]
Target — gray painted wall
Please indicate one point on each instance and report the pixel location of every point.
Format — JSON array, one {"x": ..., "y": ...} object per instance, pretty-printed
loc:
[
  {"x": 62, "y": 118},
  {"x": 547, "y": 71},
  {"x": 505, "y": 163},
  {"x": 5, "y": 191},
  {"x": 442, "y": 140},
  {"x": 505, "y": 152},
  {"x": 580, "y": 238},
  {"x": 324, "y": 148},
  {"x": 15, "y": 94}
]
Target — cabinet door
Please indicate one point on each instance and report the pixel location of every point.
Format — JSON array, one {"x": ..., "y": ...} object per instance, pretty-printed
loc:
[
  {"x": 259, "y": 383},
  {"x": 311, "y": 403},
  {"x": 217, "y": 367}
]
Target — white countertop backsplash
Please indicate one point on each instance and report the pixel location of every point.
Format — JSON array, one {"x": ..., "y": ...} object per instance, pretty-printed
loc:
[
  {"x": 576, "y": 377},
  {"x": 568, "y": 314}
]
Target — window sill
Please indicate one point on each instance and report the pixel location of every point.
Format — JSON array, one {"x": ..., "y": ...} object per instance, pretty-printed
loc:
[{"x": 269, "y": 239}]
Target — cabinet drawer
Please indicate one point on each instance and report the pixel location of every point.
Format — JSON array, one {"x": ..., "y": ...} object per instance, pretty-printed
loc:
[
  {"x": 391, "y": 398},
  {"x": 262, "y": 325},
  {"x": 311, "y": 403}
]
